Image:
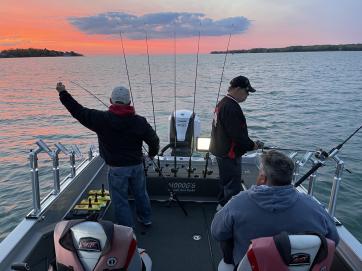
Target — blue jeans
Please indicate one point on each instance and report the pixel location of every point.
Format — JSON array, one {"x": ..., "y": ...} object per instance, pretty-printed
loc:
[
  {"x": 122, "y": 178},
  {"x": 230, "y": 178}
]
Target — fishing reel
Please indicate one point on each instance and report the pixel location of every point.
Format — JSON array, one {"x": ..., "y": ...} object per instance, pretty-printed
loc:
[{"x": 321, "y": 154}]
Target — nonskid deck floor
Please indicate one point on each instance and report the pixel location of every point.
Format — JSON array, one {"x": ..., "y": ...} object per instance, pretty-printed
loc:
[{"x": 178, "y": 242}]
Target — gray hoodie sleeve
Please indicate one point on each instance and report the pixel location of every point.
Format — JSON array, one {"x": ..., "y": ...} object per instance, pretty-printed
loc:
[
  {"x": 331, "y": 230},
  {"x": 222, "y": 225}
]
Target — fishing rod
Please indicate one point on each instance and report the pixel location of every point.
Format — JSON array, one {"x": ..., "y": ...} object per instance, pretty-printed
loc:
[
  {"x": 218, "y": 94},
  {"x": 170, "y": 189},
  {"x": 151, "y": 89},
  {"x": 193, "y": 107},
  {"x": 286, "y": 149},
  {"x": 323, "y": 155},
  {"x": 223, "y": 69},
  {"x": 174, "y": 170},
  {"x": 125, "y": 62}
]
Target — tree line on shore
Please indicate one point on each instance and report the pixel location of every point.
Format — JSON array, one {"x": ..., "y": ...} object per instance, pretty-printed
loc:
[
  {"x": 299, "y": 48},
  {"x": 31, "y": 52}
]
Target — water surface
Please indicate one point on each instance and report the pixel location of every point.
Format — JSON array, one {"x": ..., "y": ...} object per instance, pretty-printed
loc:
[{"x": 303, "y": 101}]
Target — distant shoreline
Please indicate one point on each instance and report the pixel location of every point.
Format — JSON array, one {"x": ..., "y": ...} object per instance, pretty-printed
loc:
[
  {"x": 31, "y": 52},
  {"x": 309, "y": 48}
]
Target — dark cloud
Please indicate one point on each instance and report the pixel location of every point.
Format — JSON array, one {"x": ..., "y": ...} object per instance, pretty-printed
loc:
[{"x": 159, "y": 25}]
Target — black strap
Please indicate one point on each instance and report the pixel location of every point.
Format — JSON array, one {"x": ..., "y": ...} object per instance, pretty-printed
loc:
[
  {"x": 282, "y": 243},
  {"x": 108, "y": 228},
  {"x": 65, "y": 239},
  {"x": 143, "y": 265},
  {"x": 323, "y": 249}
]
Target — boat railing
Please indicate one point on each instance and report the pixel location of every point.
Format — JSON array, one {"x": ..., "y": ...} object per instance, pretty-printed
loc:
[
  {"x": 313, "y": 158},
  {"x": 73, "y": 152}
]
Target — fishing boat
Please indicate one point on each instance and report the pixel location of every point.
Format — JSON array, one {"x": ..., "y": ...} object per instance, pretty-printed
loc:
[{"x": 182, "y": 183}]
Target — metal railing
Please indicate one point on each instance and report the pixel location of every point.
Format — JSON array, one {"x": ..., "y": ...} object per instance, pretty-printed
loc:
[
  {"x": 54, "y": 155},
  {"x": 314, "y": 158}
]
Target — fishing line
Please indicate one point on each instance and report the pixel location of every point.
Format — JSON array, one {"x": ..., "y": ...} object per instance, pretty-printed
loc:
[
  {"x": 74, "y": 83},
  {"x": 193, "y": 107}
]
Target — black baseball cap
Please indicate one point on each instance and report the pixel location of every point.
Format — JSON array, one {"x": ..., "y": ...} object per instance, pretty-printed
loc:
[{"x": 243, "y": 82}]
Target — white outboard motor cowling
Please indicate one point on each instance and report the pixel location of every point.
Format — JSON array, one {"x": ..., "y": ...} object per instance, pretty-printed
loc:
[{"x": 184, "y": 127}]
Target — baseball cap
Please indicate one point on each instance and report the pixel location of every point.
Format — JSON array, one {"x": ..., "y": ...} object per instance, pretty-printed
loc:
[
  {"x": 243, "y": 82},
  {"x": 120, "y": 95}
]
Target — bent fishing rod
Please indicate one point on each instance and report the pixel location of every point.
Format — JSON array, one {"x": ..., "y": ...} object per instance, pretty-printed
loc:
[
  {"x": 170, "y": 189},
  {"x": 323, "y": 156}
]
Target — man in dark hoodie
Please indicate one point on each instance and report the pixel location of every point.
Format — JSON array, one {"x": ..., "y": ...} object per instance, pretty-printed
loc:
[
  {"x": 270, "y": 207},
  {"x": 230, "y": 139},
  {"x": 120, "y": 135}
]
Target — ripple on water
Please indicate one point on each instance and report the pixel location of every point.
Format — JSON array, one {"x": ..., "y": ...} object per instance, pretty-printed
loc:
[{"x": 302, "y": 101}]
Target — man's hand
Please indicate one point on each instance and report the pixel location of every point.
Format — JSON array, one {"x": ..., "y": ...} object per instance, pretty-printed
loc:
[
  {"x": 258, "y": 145},
  {"x": 60, "y": 87}
]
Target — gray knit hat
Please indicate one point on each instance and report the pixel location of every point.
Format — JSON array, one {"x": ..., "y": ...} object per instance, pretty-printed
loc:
[{"x": 120, "y": 95}]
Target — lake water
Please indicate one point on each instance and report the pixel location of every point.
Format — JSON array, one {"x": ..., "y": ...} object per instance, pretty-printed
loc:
[{"x": 303, "y": 101}]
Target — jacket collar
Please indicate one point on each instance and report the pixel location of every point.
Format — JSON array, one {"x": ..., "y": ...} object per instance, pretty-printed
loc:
[
  {"x": 122, "y": 110},
  {"x": 232, "y": 98}
]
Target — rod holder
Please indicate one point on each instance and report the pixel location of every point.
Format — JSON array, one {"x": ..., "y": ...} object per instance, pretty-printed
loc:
[
  {"x": 33, "y": 162},
  {"x": 207, "y": 156},
  {"x": 90, "y": 152},
  {"x": 54, "y": 155},
  {"x": 312, "y": 179},
  {"x": 72, "y": 163},
  {"x": 56, "y": 177},
  {"x": 336, "y": 184},
  {"x": 71, "y": 154},
  {"x": 44, "y": 147},
  {"x": 298, "y": 164}
]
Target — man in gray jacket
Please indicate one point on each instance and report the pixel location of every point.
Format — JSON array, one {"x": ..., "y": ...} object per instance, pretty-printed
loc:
[{"x": 271, "y": 206}]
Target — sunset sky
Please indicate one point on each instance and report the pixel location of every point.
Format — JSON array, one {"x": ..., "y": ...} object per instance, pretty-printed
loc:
[{"x": 92, "y": 27}]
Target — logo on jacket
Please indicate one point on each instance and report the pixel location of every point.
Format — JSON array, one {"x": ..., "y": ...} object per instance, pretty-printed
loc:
[
  {"x": 89, "y": 244},
  {"x": 111, "y": 261}
]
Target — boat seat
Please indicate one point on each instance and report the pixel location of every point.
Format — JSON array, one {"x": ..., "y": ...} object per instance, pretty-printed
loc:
[
  {"x": 97, "y": 246},
  {"x": 285, "y": 252}
]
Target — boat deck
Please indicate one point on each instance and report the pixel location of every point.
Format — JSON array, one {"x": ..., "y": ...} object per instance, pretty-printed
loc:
[{"x": 178, "y": 242}]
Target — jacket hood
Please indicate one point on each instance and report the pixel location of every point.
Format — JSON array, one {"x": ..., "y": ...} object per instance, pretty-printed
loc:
[
  {"x": 273, "y": 198},
  {"x": 121, "y": 117},
  {"x": 122, "y": 110}
]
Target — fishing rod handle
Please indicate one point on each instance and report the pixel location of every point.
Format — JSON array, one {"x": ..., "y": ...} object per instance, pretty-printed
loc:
[{"x": 310, "y": 172}]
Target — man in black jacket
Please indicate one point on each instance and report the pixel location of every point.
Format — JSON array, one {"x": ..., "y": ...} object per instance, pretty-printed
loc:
[
  {"x": 230, "y": 139},
  {"x": 120, "y": 135}
]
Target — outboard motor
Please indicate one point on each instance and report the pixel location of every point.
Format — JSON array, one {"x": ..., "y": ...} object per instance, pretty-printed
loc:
[{"x": 184, "y": 127}]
